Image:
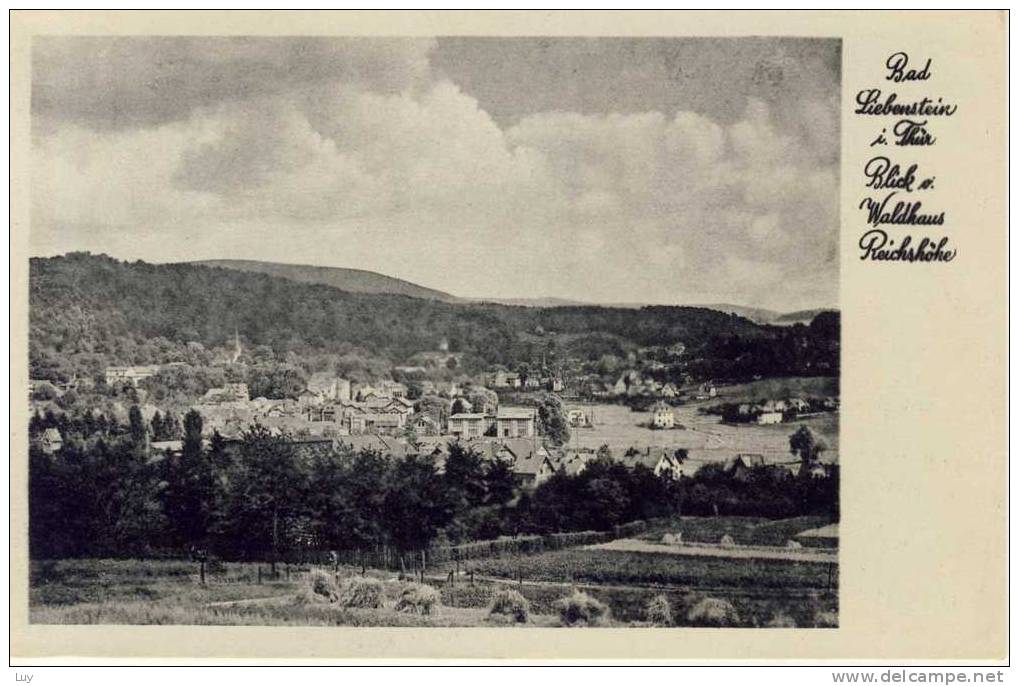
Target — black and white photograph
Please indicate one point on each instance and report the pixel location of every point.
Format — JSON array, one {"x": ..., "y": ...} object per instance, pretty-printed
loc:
[{"x": 453, "y": 331}]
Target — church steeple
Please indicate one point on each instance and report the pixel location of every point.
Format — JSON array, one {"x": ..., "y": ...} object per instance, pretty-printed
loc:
[{"x": 237, "y": 348}]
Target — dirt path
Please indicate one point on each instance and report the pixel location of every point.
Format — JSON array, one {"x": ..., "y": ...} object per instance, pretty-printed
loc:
[
  {"x": 707, "y": 550},
  {"x": 268, "y": 600},
  {"x": 727, "y": 591}
]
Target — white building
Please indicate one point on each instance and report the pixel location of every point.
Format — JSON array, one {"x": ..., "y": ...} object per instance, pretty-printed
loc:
[
  {"x": 769, "y": 418},
  {"x": 130, "y": 374},
  {"x": 662, "y": 416},
  {"x": 515, "y": 422}
]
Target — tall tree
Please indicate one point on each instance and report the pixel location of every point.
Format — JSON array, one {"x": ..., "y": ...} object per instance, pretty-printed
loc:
[
  {"x": 552, "y": 420},
  {"x": 267, "y": 486},
  {"x": 464, "y": 477},
  {"x": 137, "y": 430},
  {"x": 190, "y": 494},
  {"x": 416, "y": 504},
  {"x": 806, "y": 445},
  {"x": 500, "y": 483}
]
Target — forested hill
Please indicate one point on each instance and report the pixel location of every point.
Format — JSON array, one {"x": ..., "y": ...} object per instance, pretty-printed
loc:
[
  {"x": 352, "y": 280},
  {"x": 87, "y": 311}
]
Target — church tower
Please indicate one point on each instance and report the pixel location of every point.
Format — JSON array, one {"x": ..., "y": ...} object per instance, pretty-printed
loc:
[{"x": 237, "y": 348}]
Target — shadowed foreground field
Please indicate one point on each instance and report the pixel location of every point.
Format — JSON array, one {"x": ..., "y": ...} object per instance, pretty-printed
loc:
[{"x": 761, "y": 593}]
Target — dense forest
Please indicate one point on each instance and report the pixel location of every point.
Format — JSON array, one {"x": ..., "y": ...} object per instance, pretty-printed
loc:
[{"x": 88, "y": 311}]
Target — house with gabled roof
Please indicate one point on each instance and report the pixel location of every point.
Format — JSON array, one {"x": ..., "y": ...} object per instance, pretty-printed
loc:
[
  {"x": 742, "y": 466},
  {"x": 424, "y": 425},
  {"x": 660, "y": 462},
  {"x": 531, "y": 462},
  {"x": 662, "y": 416}
]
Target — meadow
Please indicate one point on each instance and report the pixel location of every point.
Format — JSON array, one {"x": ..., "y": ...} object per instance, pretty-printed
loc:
[
  {"x": 626, "y": 568},
  {"x": 742, "y": 530},
  {"x": 109, "y": 591},
  {"x": 170, "y": 592},
  {"x": 704, "y": 436}
]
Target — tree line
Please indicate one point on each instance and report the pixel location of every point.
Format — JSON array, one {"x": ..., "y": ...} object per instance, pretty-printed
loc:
[{"x": 267, "y": 497}]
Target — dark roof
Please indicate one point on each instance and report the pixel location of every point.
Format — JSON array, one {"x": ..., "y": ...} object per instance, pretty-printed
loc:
[
  {"x": 649, "y": 460},
  {"x": 386, "y": 445}
]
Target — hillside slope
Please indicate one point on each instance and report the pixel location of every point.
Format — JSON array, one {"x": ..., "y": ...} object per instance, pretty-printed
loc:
[
  {"x": 350, "y": 280},
  {"x": 88, "y": 311}
]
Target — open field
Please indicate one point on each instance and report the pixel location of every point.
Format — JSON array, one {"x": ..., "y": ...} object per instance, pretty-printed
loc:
[
  {"x": 783, "y": 387},
  {"x": 715, "y": 550},
  {"x": 626, "y": 581},
  {"x": 743, "y": 530},
  {"x": 169, "y": 592},
  {"x": 705, "y": 437},
  {"x": 605, "y": 566}
]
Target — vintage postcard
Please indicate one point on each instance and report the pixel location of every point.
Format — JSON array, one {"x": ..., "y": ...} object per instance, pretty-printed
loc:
[{"x": 509, "y": 335}]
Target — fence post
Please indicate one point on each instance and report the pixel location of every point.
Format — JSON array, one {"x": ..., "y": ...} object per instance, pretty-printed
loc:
[
  {"x": 259, "y": 575},
  {"x": 201, "y": 572},
  {"x": 472, "y": 577}
]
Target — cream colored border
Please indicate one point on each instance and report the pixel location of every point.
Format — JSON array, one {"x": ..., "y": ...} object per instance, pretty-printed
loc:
[{"x": 923, "y": 445}]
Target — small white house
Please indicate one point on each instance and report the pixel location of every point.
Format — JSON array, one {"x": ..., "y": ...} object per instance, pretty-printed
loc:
[
  {"x": 662, "y": 416},
  {"x": 769, "y": 418}
]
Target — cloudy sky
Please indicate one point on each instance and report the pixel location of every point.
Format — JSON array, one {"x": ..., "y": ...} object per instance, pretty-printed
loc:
[{"x": 673, "y": 171}]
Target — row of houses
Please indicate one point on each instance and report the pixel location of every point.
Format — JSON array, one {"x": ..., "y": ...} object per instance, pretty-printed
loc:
[
  {"x": 744, "y": 466},
  {"x": 632, "y": 384},
  {"x": 532, "y": 383},
  {"x": 777, "y": 411},
  {"x": 533, "y": 463}
]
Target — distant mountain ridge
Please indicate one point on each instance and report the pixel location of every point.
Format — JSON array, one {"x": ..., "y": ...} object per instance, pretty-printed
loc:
[
  {"x": 762, "y": 316},
  {"x": 364, "y": 281},
  {"x": 91, "y": 311},
  {"x": 343, "y": 278}
]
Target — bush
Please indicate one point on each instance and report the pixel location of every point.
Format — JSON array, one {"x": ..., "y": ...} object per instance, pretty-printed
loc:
[
  {"x": 727, "y": 542},
  {"x": 658, "y": 612},
  {"x": 781, "y": 621},
  {"x": 322, "y": 585},
  {"x": 509, "y": 603},
  {"x": 673, "y": 539},
  {"x": 580, "y": 609},
  {"x": 713, "y": 612},
  {"x": 826, "y": 620},
  {"x": 418, "y": 599},
  {"x": 361, "y": 591},
  {"x": 793, "y": 545}
]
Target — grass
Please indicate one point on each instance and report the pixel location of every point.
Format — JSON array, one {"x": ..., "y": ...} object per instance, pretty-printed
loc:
[
  {"x": 284, "y": 614},
  {"x": 168, "y": 592},
  {"x": 628, "y": 604},
  {"x": 639, "y": 568},
  {"x": 744, "y": 530},
  {"x": 707, "y": 439},
  {"x": 784, "y": 387}
]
